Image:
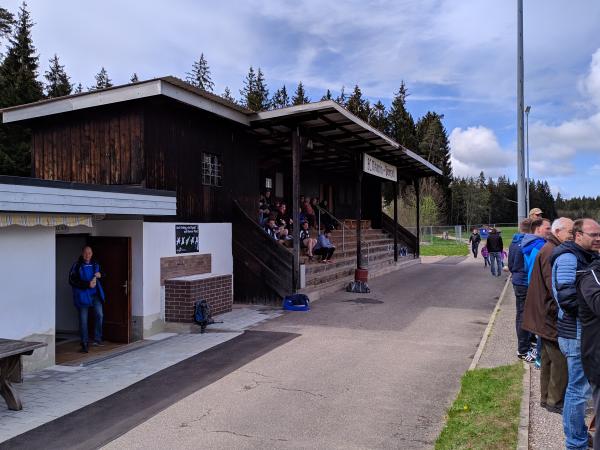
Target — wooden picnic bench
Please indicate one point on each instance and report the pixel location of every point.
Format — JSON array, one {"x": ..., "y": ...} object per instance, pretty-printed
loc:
[{"x": 10, "y": 366}]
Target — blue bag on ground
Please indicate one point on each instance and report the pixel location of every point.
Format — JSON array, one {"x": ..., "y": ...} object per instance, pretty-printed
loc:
[
  {"x": 296, "y": 302},
  {"x": 202, "y": 314}
]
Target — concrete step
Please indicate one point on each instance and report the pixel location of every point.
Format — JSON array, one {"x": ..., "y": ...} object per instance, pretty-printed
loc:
[
  {"x": 373, "y": 247},
  {"x": 316, "y": 292}
]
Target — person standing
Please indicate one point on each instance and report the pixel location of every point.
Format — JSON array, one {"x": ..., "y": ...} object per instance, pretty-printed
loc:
[
  {"x": 516, "y": 265},
  {"x": 588, "y": 296},
  {"x": 474, "y": 240},
  {"x": 84, "y": 278},
  {"x": 495, "y": 247},
  {"x": 535, "y": 213},
  {"x": 539, "y": 317},
  {"x": 567, "y": 259}
]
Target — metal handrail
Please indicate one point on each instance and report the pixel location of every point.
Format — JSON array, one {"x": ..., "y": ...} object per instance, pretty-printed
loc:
[{"x": 344, "y": 227}]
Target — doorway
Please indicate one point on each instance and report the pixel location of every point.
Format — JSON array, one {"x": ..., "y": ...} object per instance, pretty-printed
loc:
[{"x": 114, "y": 256}]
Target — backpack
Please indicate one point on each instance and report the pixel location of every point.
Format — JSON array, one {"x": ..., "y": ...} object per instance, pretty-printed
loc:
[{"x": 202, "y": 314}]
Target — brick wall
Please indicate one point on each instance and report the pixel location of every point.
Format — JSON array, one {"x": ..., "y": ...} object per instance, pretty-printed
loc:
[
  {"x": 180, "y": 296},
  {"x": 180, "y": 266}
]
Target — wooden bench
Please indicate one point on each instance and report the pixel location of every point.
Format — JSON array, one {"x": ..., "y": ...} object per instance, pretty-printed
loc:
[{"x": 10, "y": 366}]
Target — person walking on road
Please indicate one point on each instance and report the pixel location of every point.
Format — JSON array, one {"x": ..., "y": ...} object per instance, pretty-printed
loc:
[
  {"x": 567, "y": 259},
  {"x": 495, "y": 246},
  {"x": 474, "y": 240},
  {"x": 539, "y": 318},
  {"x": 84, "y": 278},
  {"x": 516, "y": 266}
]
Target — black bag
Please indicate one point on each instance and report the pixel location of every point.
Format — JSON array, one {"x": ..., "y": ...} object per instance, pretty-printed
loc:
[{"x": 202, "y": 314}]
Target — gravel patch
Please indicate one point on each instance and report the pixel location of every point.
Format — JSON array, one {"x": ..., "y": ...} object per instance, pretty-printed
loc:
[{"x": 545, "y": 428}]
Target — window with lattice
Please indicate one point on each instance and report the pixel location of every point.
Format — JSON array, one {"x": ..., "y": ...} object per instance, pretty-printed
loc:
[{"x": 211, "y": 170}]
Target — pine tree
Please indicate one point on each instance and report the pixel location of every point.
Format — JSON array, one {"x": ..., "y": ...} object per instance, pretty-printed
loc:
[
  {"x": 78, "y": 89},
  {"x": 300, "y": 97},
  {"x": 18, "y": 85},
  {"x": 58, "y": 83},
  {"x": 227, "y": 95},
  {"x": 357, "y": 105},
  {"x": 255, "y": 95},
  {"x": 134, "y": 78},
  {"x": 378, "y": 117},
  {"x": 341, "y": 99},
  {"x": 280, "y": 99},
  {"x": 6, "y": 22},
  {"x": 402, "y": 125},
  {"x": 102, "y": 80},
  {"x": 200, "y": 75},
  {"x": 327, "y": 96}
]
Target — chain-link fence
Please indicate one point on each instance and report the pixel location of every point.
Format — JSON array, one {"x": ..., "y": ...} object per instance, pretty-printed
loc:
[{"x": 459, "y": 234}]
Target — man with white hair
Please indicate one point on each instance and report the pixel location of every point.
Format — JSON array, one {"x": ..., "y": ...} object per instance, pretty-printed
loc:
[{"x": 540, "y": 315}]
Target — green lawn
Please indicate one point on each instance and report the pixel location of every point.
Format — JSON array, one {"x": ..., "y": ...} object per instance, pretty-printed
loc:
[
  {"x": 441, "y": 247},
  {"x": 486, "y": 413}
]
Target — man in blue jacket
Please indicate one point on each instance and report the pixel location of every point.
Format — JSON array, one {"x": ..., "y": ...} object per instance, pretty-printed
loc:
[
  {"x": 84, "y": 278},
  {"x": 516, "y": 266},
  {"x": 567, "y": 259}
]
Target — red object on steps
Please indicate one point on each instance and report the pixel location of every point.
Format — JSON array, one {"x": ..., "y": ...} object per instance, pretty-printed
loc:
[{"x": 361, "y": 275}]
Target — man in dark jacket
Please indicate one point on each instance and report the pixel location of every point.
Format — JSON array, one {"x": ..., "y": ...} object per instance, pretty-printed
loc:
[
  {"x": 495, "y": 246},
  {"x": 539, "y": 317},
  {"x": 588, "y": 296},
  {"x": 84, "y": 278},
  {"x": 474, "y": 240},
  {"x": 567, "y": 259},
  {"x": 516, "y": 266}
]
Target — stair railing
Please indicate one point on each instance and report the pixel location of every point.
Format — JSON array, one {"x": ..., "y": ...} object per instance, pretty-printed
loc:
[{"x": 344, "y": 227}]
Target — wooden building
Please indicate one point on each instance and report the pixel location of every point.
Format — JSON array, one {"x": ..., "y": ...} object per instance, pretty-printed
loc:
[{"x": 164, "y": 134}]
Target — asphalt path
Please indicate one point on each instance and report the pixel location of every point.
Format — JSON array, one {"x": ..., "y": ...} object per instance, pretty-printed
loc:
[{"x": 372, "y": 370}]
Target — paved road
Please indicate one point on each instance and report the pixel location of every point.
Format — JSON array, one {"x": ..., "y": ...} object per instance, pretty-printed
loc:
[{"x": 372, "y": 373}]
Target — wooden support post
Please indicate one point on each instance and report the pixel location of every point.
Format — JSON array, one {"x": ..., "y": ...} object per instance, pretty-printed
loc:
[
  {"x": 358, "y": 210},
  {"x": 396, "y": 221},
  {"x": 297, "y": 144},
  {"x": 417, "y": 184}
]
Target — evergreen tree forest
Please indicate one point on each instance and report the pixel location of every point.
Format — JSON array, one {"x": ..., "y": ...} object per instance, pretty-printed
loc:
[{"x": 449, "y": 199}]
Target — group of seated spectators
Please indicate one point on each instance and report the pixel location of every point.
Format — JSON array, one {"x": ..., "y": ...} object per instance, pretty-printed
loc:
[{"x": 277, "y": 222}]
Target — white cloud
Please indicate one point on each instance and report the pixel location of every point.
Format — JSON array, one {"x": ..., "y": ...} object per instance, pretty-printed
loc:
[
  {"x": 476, "y": 149},
  {"x": 591, "y": 84}
]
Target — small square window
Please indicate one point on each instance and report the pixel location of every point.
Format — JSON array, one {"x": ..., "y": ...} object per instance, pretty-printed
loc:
[
  {"x": 269, "y": 183},
  {"x": 211, "y": 170}
]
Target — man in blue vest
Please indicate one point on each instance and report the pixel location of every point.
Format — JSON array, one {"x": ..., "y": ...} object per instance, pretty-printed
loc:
[
  {"x": 84, "y": 278},
  {"x": 567, "y": 259}
]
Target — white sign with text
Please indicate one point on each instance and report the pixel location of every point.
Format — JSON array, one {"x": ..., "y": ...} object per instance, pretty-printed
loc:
[{"x": 379, "y": 168}]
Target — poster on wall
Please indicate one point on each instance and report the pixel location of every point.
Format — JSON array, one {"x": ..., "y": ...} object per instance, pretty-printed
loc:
[{"x": 186, "y": 239}]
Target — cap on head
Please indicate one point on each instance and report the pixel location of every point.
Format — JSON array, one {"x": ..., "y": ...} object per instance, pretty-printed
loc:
[{"x": 535, "y": 211}]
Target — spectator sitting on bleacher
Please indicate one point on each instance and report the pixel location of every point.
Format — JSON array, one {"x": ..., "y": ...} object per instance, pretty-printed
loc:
[
  {"x": 309, "y": 213},
  {"x": 324, "y": 247},
  {"x": 306, "y": 241},
  {"x": 274, "y": 231}
]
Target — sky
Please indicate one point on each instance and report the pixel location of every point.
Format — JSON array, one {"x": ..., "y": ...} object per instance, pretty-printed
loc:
[{"x": 457, "y": 58}]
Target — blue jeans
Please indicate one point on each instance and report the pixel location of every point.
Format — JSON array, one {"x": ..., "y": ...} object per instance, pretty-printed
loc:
[
  {"x": 576, "y": 396},
  {"x": 496, "y": 263},
  {"x": 83, "y": 321},
  {"x": 523, "y": 336}
]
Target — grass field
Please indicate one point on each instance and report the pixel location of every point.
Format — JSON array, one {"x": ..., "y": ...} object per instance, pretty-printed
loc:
[
  {"x": 485, "y": 415},
  {"x": 441, "y": 247}
]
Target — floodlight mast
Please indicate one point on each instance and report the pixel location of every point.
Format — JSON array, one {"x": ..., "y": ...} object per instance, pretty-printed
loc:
[{"x": 521, "y": 182}]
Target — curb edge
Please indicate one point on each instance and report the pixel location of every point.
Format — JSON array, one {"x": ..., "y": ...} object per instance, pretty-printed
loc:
[
  {"x": 523, "y": 436},
  {"x": 488, "y": 330}
]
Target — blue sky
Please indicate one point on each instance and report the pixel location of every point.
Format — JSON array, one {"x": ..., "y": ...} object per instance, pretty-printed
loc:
[{"x": 457, "y": 57}]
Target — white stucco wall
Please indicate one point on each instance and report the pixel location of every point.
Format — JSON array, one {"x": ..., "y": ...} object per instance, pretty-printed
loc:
[
  {"x": 27, "y": 277},
  {"x": 159, "y": 242}
]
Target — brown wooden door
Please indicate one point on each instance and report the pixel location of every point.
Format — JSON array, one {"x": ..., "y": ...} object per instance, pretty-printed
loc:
[{"x": 114, "y": 256}]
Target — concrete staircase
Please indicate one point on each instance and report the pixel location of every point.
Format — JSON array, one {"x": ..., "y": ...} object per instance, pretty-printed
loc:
[{"x": 377, "y": 249}]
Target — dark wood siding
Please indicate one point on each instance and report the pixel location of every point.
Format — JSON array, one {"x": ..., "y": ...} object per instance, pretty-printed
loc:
[
  {"x": 101, "y": 145},
  {"x": 175, "y": 138}
]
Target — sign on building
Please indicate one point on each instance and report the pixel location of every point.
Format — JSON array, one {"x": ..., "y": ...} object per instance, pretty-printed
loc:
[
  {"x": 186, "y": 238},
  {"x": 379, "y": 168}
]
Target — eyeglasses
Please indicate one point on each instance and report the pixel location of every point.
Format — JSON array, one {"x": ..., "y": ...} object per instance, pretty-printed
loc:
[{"x": 592, "y": 235}]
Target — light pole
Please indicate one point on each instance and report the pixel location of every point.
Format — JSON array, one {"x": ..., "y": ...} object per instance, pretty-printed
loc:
[
  {"x": 521, "y": 188},
  {"x": 527, "y": 109}
]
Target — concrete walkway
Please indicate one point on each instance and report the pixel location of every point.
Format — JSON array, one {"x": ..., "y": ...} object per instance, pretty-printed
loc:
[
  {"x": 372, "y": 370},
  {"x": 59, "y": 390}
]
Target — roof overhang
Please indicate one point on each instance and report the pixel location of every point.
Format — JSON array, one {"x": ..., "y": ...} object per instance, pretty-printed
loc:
[
  {"x": 33, "y": 195},
  {"x": 330, "y": 126},
  {"x": 167, "y": 86}
]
